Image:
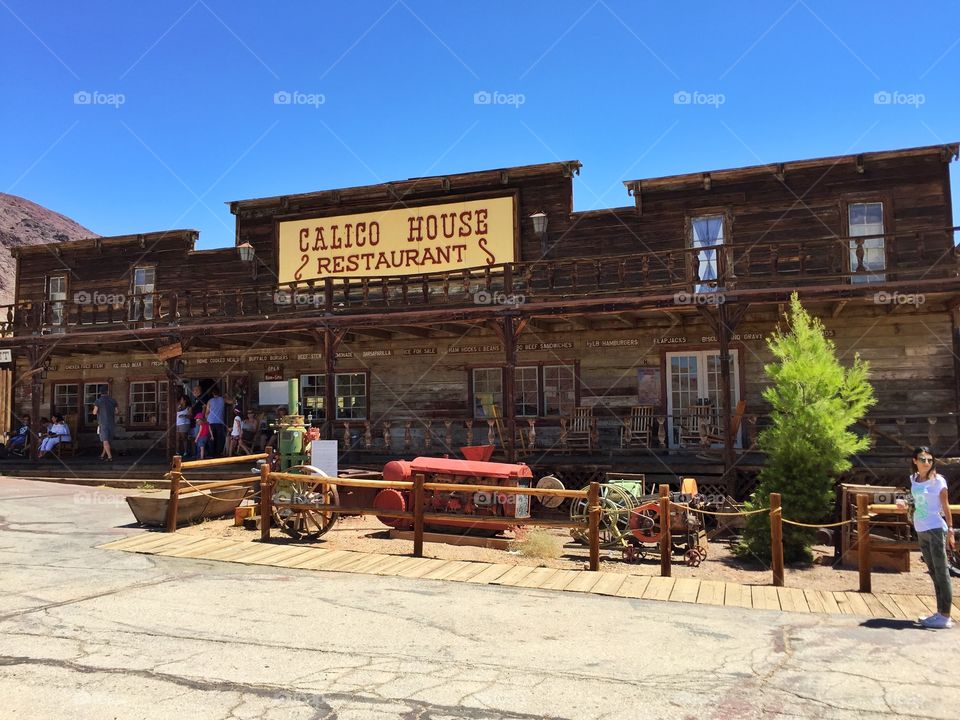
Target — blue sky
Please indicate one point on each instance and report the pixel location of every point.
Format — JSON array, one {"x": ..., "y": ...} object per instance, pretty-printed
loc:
[{"x": 135, "y": 117}]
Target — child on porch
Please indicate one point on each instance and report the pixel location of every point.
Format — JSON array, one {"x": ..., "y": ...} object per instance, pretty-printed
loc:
[{"x": 203, "y": 435}]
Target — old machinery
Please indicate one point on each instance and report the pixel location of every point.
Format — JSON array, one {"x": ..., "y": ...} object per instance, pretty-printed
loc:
[{"x": 461, "y": 505}]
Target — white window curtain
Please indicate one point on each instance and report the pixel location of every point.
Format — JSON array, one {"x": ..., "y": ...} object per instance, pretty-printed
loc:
[{"x": 708, "y": 231}]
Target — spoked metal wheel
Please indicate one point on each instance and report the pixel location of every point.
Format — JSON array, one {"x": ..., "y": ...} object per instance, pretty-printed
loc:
[
  {"x": 615, "y": 504},
  {"x": 305, "y": 523}
]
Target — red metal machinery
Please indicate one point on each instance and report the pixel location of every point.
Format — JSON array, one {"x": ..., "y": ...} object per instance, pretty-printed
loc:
[{"x": 467, "y": 502}]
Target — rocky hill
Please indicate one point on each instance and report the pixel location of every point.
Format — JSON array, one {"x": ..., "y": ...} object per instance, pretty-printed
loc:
[{"x": 25, "y": 223}]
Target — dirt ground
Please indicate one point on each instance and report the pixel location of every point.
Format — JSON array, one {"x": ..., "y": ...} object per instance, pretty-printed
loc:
[{"x": 367, "y": 534}]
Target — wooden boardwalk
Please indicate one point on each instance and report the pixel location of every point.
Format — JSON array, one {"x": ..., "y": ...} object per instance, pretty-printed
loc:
[{"x": 684, "y": 590}]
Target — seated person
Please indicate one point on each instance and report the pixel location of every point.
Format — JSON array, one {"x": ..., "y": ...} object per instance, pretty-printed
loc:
[
  {"x": 18, "y": 442},
  {"x": 59, "y": 432}
]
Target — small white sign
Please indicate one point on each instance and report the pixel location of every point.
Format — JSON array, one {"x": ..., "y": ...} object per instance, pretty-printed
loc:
[
  {"x": 323, "y": 456},
  {"x": 6, "y": 356}
]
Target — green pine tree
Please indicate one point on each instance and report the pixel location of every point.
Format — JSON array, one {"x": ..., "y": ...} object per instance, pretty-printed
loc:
[{"x": 814, "y": 402}]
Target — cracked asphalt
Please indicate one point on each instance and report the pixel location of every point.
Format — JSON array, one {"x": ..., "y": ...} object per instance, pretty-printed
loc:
[{"x": 87, "y": 633}]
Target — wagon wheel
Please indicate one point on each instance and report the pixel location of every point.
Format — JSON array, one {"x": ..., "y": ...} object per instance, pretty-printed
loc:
[{"x": 304, "y": 523}]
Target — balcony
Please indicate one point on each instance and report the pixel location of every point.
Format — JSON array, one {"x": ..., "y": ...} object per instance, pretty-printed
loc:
[{"x": 656, "y": 277}]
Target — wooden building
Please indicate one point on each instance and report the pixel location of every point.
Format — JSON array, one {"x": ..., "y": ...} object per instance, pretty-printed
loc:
[{"x": 629, "y": 338}]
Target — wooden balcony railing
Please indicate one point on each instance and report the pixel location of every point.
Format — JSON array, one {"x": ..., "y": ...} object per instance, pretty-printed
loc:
[{"x": 825, "y": 261}]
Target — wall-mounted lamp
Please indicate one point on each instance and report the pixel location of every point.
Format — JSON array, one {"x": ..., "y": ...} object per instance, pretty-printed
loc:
[
  {"x": 247, "y": 256},
  {"x": 539, "y": 223},
  {"x": 45, "y": 367}
]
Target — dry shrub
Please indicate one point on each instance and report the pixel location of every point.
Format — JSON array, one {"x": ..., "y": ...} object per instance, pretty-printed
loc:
[{"x": 538, "y": 544}]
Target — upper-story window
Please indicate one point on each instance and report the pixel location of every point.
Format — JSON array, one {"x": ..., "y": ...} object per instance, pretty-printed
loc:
[
  {"x": 144, "y": 285},
  {"x": 57, "y": 296},
  {"x": 867, "y": 219},
  {"x": 706, "y": 231}
]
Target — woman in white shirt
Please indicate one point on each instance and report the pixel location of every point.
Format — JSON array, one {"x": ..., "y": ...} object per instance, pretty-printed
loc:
[
  {"x": 235, "y": 431},
  {"x": 934, "y": 525},
  {"x": 58, "y": 432}
]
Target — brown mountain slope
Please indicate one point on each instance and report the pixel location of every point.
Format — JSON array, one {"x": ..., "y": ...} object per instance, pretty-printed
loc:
[{"x": 25, "y": 223}]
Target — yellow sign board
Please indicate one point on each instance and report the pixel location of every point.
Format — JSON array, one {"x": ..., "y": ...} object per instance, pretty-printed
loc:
[{"x": 405, "y": 241}]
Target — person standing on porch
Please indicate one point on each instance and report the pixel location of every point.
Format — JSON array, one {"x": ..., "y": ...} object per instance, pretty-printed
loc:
[
  {"x": 934, "y": 525},
  {"x": 215, "y": 415},
  {"x": 105, "y": 410}
]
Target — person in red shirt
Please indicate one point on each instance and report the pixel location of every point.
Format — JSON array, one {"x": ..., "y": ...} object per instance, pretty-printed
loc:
[{"x": 203, "y": 435}]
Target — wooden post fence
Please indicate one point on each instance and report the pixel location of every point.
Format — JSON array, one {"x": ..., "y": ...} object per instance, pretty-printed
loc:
[
  {"x": 593, "y": 510},
  {"x": 266, "y": 497},
  {"x": 863, "y": 541},
  {"x": 776, "y": 539},
  {"x": 175, "y": 476},
  {"x": 418, "y": 515},
  {"x": 666, "y": 537}
]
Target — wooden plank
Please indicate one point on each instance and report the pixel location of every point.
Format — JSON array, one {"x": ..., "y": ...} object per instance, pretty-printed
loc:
[
  {"x": 364, "y": 563},
  {"x": 514, "y": 575},
  {"x": 255, "y": 554},
  {"x": 659, "y": 588},
  {"x": 537, "y": 578},
  {"x": 858, "y": 605},
  {"x": 874, "y": 606},
  {"x": 608, "y": 584},
  {"x": 290, "y": 562},
  {"x": 890, "y": 606},
  {"x": 318, "y": 561},
  {"x": 471, "y": 570},
  {"x": 562, "y": 578},
  {"x": 490, "y": 573},
  {"x": 127, "y": 541},
  {"x": 165, "y": 540},
  {"x": 384, "y": 562},
  {"x": 685, "y": 590},
  {"x": 457, "y": 540},
  {"x": 341, "y": 562},
  {"x": 225, "y": 555},
  {"x": 634, "y": 586},
  {"x": 710, "y": 592},
  {"x": 583, "y": 582},
  {"x": 792, "y": 600},
  {"x": 195, "y": 549},
  {"x": 912, "y": 607},
  {"x": 843, "y": 602},
  {"x": 737, "y": 596},
  {"x": 814, "y": 601},
  {"x": 281, "y": 554},
  {"x": 446, "y": 570},
  {"x": 415, "y": 571},
  {"x": 929, "y": 602},
  {"x": 398, "y": 562},
  {"x": 829, "y": 602},
  {"x": 764, "y": 597},
  {"x": 410, "y": 563},
  {"x": 312, "y": 552}
]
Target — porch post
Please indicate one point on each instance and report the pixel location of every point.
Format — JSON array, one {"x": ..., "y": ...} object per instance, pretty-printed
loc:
[
  {"x": 509, "y": 405},
  {"x": 173, "y": 385},
  {"x": 723, "y": 336},
  {"x": 36, "y": 357},
  {"x": 954, "y": 314},
  {"x": 329, "y": 391}
]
